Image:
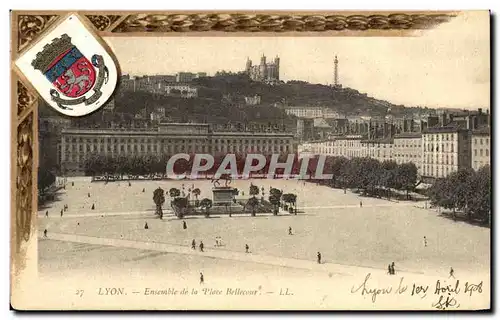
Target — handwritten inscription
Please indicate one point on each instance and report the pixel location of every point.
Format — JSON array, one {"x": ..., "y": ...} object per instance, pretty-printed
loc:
[
  {"x": 444, "y": 295},
  {"x": 373, "y": 292},
  {"x": 471, "y": 288}
]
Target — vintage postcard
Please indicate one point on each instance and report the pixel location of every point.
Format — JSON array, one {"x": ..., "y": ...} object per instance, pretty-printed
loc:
[{"x": 251, "y": 160}]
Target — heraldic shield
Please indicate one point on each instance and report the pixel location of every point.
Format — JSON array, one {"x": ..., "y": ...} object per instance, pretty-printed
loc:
[{"x": 71, "y": 73}]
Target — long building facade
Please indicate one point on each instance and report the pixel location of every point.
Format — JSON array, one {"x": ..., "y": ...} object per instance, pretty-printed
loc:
[
  {"x": 444, "y": 145},
  {"x": 171, "y": 138},
  {"x": 446, "y": 149}
]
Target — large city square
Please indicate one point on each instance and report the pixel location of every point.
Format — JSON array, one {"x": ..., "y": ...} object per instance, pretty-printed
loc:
[{"x": 328, "y": 221}]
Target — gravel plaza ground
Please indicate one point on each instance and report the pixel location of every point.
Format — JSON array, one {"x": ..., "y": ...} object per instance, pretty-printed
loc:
[
  {"x": 109, "y": 246},
  {"x": 329, "y": 221}
]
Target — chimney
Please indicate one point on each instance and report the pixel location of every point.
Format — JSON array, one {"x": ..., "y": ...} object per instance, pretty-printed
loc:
[{"x": 443, "y": 119}]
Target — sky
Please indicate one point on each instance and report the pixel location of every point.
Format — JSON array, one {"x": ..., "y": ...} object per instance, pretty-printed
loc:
[{"x": 446, "y": 67}]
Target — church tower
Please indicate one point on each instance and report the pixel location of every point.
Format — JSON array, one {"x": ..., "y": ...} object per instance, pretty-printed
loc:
[
  {"x": 248, "y": 66},
  {"x": 277, "y": 63},
  {"x": 263, "y": 68}
]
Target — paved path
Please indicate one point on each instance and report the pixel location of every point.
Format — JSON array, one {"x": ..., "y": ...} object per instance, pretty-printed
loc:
[
  {"x": 98, "y": 214},
  {"x": 41, "y": 214},
  {"x": 221, "y": 254}
]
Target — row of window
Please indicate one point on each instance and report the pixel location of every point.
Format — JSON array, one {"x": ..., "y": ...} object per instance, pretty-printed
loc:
[
  {"x": 439, "y": 136},
  {"x": 70, "y": 154},
  {"x": 163, "y": 141},
  {"x": 445, "y": 159},
  {"x": 406, "y": 155},
  {"x": 445, "y": 147},
  {"x": 486, "y": 152},
  {"x": 437, "y": 171},
  {"x": 416, "y": 145},
  {"x": 486, "y": 140}
]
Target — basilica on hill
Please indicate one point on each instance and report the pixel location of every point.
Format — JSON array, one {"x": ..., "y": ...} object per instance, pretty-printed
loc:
[{"x": 268, "y": 72}]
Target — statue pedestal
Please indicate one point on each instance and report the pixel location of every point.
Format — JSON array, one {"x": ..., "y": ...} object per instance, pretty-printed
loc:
[{"x": 223, "y": 195}]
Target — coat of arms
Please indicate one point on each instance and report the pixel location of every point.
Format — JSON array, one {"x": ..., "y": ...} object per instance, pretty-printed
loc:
[
  {"x": 70, "y": 69},
  {"x": 71, "y": 73}
]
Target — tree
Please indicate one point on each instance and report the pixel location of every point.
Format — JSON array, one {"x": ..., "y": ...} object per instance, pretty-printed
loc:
[
  {"x": 253, "y": 202},
  {"x": 159, "y": 199},
  {"x": 274, "y": 199},
  {"x": 337, "y": 168},
  {"x": 179, "y": 205},
  {"x": 94, "y": 165},
  {"x": 122, "y": 166},
  {"x": 254, "y": 190},
  {"x": 388, "y": 176},
  {"x": 407, "y": 176},
  {"x": 174, "y": 192},
  {"x": 206, "y": 204},
  {"x": 480, "y": 203},
  {"x": 291, "y": 199},
  {"x": 440, "y": 193},
  {"x": 196, "y": 192},
  {"x": 45, "y": 179}
]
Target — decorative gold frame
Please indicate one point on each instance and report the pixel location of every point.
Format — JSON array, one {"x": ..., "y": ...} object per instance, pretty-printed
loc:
[{"x": 29, "y": 26}]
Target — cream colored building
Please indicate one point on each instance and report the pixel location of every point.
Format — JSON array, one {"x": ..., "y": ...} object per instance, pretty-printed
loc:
[
  {"x": 381, "y": 150},
  {"x": 445, "y": 150},
  {"x": 408, "y": 148},
  {"x": 171, "y": 138},
  {"x": 183, "y": 90},
  {"x": 480, "y": 148},
  {"x": 349, "y": 146},
  {"x": 311, "y": 112}
]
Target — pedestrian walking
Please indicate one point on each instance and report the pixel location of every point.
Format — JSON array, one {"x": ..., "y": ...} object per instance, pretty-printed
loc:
[
  {"x": 146, "y": 226},
  {"x": 216, "y": 241},
  {"x": 143, "y": 189},
  {"x": 72, "y": 183},
  {"x": 93, "y": 206},
  {"x": 47, "y": 213},
  {"x": 425, "y": 241},
  {"x": 88, "y": 195},
  {"x": 61, "y": 212},
  {"x": 246, "y": 248},
  {"x": 45, "y": 233},
  {"x": 319, "y": 257},
  {"x": 184, "y": 225},
  {"x": 193, "y": 244},
  {"x": 201, "y": 246},
  {"x": 202, "y": 278},
  {"x": 393, "y": 269},
  {"x": 361, "y": 204},
  {"x": 129, "y": 184},
  {"x": 389, "y": 269},
  {"x": 290, "y": 231},
  {"x": 452, "y": 273}
]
